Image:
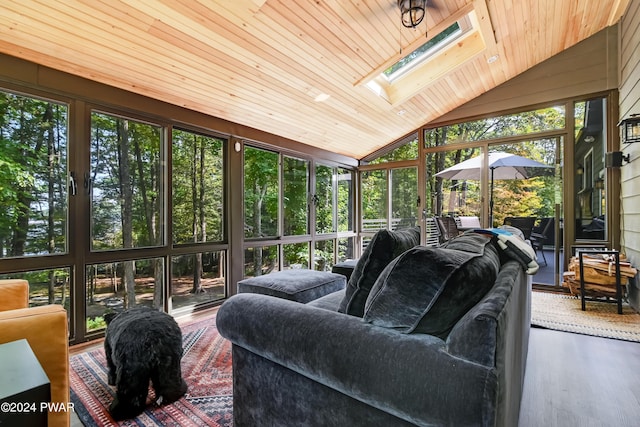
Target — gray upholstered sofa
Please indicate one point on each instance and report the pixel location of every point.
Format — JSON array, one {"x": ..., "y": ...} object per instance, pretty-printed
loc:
[{"x": 421, "y": 353}]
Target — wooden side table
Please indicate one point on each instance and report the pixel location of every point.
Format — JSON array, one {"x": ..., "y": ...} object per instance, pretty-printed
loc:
[{"x": 24, "y": 386}]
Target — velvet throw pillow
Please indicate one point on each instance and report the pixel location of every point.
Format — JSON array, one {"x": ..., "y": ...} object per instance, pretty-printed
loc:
[
  {"x": 427, "y": 290},
  {"x": 383, "y": 248}
]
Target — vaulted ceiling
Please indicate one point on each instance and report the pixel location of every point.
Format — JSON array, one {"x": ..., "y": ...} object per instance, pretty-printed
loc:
[{"x": 298, "y": 69}]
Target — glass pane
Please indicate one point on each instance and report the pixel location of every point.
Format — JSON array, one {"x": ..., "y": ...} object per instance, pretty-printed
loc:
[
  {"x": 260, "y": 260},
  {"x": 451, "y": 197},
  {"x": 296, "y": 255},
  {"x": 197, "y": 279},
  {"x": 590, "y": 188},
  {"x": 115, "y": 286},
  {"x": 46, "y": 286},
  {"x": 532, "y": 196},
  {"x": 323, "y": 255},
  {"x": 404, "y": 197},
  {"x": 324, "y": 200},
  {"x": 346, "y": 248},
  {"x": 439, "y": 41},
  {"x": 295, "y": 176},
  {"x": 345, "y": 200},
  {"x": 33, "y": 176},
  {"x": 198, "y": 183},
  {"x": 374, "y": 200},
  {"x": 126, "y": 177},
  {"x": 260, "y": 193},
  {"x": 541, "y": 120},
  {"x": 408, "y": 151}
]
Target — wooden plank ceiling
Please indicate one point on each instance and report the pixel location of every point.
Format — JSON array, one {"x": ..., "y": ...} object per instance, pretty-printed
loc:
[{"x": 262, "y": 63}]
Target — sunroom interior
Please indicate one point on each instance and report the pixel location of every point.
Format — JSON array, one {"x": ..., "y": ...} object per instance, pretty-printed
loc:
[{"x": 156, "y": 154}]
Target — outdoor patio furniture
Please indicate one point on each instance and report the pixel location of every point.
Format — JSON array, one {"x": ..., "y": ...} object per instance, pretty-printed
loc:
[
  {"x": 538, "y": 239},
  {"x": 448, "y": 228},
  {"x": 522, "y": 223},
  {"x": 501, "y": 165},
  {"x": 467, "y": 222}
]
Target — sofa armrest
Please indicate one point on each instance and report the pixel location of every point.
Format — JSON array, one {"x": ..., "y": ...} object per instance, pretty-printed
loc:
[
  {"x": 45, "y": 328},
  {"x": 407, "y": 375},
  {"x": 14, "y": 293}
]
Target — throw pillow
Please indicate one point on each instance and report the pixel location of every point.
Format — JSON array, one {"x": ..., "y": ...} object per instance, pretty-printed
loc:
[
  {"x": 427, "y": 290},
  {"x": 383, "y": 248}
]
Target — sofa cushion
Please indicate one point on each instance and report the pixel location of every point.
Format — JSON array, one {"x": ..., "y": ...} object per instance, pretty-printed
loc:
[
  {"x": 384, "y": 247},
  {"x": 427, "y": 290}
]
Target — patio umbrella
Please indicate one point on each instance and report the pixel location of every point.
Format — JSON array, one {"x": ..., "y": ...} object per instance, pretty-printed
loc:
[{"x": 501, "y": 165}]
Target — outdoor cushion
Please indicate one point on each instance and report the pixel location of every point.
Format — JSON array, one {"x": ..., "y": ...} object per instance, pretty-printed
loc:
[{"x": 384, "y": 247}]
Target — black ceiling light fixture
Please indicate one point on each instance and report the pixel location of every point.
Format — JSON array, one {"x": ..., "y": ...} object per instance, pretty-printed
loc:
[{"x": 412, "y": 12}]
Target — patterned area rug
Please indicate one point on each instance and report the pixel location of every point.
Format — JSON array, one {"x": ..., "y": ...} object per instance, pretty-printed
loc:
[
  {"x": 206, "y": 367},
  {"x": 601, "y": 319}
]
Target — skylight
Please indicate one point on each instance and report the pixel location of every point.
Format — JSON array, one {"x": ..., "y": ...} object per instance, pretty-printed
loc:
[
  {"x": 464, "y": 35},
  {"x": 423, "y": 52}
]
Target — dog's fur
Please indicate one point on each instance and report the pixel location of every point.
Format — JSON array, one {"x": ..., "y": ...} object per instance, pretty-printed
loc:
[{"x": 142, "y": 344}]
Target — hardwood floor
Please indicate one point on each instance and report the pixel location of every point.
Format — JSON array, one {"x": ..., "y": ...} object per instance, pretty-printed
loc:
[{"x": 578, "y": 380}]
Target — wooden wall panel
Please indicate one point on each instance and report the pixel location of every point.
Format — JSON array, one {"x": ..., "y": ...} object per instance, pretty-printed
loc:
[
  {"x": 262, "y": 63},
  {"x": 29, "y": 75},
  {"x": 588, "y": 67},
  {"x": 630, "y": 104}
]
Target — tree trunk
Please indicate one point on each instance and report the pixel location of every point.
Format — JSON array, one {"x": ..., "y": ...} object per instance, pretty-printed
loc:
[
  {"x": 257, "y": 222},
  {"x": 197, "y": 270},
  {"x": 126, "y": 193}
]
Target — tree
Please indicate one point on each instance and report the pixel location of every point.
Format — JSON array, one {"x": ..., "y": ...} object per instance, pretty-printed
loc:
[{"x": 260, "y": 198}]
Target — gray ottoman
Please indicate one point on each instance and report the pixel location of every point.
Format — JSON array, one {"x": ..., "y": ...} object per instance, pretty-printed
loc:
[
  {"x": 345, "y": 268},
  {"x": 296, "y": 285}
]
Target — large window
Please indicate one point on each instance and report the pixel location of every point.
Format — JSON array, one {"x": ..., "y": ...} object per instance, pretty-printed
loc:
[
  {"x": 295, "y": 212},
  {"x": 197, "y": 218},
  {"x": 324, "y": 200},
  {"x": 115, "y": 286},
  {"x": 345, "y": 200},
  {"x": 122, "y": 209},
  {"x": 33, "y": 176},
  {"x": 197, "y": 186},
  {"x": 541, "y": 120},
  {"x": 260, "y": 193},
  {"x": 590, "y": 174},
  {"x": 295, "y": 183},
  {"x": 126, "y": 180},
  {"x": 374, "y": 200}
]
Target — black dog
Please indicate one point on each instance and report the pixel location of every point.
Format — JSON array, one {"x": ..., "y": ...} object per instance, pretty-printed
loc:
[{"x": 142, "y": 344}]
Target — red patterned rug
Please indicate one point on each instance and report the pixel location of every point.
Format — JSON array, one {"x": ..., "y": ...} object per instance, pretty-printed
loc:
[{"x": 206, "y": 367}]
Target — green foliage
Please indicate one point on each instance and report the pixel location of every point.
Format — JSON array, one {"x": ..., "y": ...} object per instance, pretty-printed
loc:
[
  {"x": 33, "y": 182},
  {"x": 295, "y": 183},
  {"x": 345, "y": 200},
  {"x": 408, "y": 151},
  {"x": 324, "y": 199},
  {"x": 96, "y": 323},
  {"x": 296, "y": 254},
  {"x": 198, "y": 187},
  {"x": 374, "y": 195},
  {"x": 126, "y": 177},
  {"x": 260, "y": 192}
]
